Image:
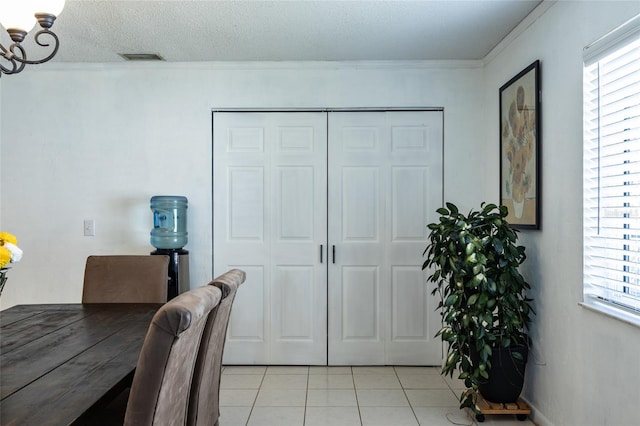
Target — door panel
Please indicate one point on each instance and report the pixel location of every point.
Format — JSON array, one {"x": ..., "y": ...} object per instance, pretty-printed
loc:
[
  {"x": 385, "y": 183},
  {"x": 360, "y": 190},
  {"x": 246, "y": 203},
  {"x": 246, "y": 324},
  {"x": 270, "y": 220}
]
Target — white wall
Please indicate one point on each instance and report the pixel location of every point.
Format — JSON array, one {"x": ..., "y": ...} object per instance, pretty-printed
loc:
[
  {"x": 96, "y": 142},
  {"x": 585, "y": 369}
]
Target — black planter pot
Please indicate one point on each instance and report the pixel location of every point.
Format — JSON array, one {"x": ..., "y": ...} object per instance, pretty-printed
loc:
[{"x": 506, "y": 376}]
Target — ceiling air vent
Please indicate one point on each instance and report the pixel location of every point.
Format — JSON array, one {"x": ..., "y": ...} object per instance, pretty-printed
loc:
[{"x": 141, "y": 56}]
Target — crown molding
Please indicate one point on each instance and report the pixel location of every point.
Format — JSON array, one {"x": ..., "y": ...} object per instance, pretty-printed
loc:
[{"x": 529, "y": 20}]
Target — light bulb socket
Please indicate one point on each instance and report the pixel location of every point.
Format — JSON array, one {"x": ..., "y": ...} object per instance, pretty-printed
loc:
[
  {"x": 16, "y": 34},
  {"x": 45, "y": 20}
]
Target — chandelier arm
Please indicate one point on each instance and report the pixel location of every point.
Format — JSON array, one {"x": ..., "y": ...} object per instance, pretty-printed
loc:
[
  {"x": 23, "y": 58},
  {"x": 9, "y": 56}
]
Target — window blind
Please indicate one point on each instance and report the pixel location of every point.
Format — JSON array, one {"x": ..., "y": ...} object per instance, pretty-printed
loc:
[{"x": 611, "y": 261}]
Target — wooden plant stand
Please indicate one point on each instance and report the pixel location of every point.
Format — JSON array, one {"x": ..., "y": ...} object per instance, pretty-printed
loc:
[{"x": 520, "y": 408}]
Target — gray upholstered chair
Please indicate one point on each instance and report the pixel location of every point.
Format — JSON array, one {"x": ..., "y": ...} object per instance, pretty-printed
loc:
[
  {"x": 205, "y": 388},
  {"x": 125, "y": 279},
  {"x": 162, "y": 381}
]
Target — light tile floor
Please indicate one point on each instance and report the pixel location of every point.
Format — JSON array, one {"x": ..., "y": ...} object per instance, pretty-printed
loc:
[{"x": 344, "y": 396}]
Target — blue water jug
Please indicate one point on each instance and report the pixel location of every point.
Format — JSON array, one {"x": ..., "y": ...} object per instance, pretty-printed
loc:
[{"x": 169, "y": 222}]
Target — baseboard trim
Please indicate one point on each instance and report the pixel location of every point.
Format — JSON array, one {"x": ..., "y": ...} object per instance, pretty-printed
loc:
[{"x": 536, "y": 415}]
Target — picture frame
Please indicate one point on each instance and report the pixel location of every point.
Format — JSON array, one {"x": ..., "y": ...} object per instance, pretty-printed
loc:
[{"x": 520, "y": 112}]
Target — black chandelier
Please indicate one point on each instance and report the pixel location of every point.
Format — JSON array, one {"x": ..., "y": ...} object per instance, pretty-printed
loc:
[{"x": 18, "y": 17}]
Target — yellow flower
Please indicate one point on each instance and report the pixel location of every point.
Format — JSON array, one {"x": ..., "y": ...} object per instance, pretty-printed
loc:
[
  {"x": 5, "y": 257},
  {"x": 6, "y": 237}
]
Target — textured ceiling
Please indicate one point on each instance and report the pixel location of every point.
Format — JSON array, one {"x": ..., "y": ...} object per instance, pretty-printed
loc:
[{"x": 294, "y": 30}]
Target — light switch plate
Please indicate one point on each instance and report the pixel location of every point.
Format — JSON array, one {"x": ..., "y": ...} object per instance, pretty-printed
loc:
[{"x": 89, "y": 228}]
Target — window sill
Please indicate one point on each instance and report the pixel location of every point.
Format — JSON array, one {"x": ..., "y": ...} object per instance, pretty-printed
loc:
[{"x": 612, "y": 311}]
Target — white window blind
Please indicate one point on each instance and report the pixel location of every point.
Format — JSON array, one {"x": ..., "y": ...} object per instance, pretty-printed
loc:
[{"x": 611, "y": 81}]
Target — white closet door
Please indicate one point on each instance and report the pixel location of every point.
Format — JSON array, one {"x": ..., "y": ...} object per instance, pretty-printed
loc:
[
  {"x": 269, "y": 195},
  {"x": 385, "y": 183}
]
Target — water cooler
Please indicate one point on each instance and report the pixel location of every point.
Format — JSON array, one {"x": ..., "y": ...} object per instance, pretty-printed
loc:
[{"x": 169, "y": 236}]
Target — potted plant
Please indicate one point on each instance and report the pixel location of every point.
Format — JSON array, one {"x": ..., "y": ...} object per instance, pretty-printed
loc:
[{"x": 484, "y": 305}]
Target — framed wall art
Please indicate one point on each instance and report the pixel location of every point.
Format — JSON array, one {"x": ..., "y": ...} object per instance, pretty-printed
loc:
[{"x": 520, "y": 148}]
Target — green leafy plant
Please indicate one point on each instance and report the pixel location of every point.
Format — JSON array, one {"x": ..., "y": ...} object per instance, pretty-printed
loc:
[{"x": 483, "y": 303}]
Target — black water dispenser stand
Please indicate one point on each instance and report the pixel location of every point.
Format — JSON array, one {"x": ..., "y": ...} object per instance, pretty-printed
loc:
[
  {"x": 169, "y": 236},
  {"x": 178, "y": 281}
]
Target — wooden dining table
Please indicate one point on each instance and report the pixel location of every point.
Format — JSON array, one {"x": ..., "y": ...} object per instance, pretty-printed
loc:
[{"x": 60, "y": 361}]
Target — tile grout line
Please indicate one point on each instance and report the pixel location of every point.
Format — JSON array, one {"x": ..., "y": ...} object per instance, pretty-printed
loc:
[
  {"x": 406, "y": 396},
  {"x": 355, "y": 391},
  {"x": 256, "y": 397},
  {"x": 306, "y": 398}
]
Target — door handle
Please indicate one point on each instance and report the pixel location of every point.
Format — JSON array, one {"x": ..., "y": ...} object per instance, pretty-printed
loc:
[
  {"x": 333, "y": 252},
  {"x": 321, "y": 250}
]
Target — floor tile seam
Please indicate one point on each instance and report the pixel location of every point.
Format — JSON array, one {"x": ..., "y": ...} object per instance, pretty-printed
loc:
[
  {"x": 406, "y": 397},
  {"x": 306, "y": 400},
  {"x": 387, "y": 389},
  {"x": 246, "y": 423},
  {"x": 232, "y": 367},
  {"x": 423, "y": 388},
  {"x": 355, "y": 391},
  {"x": 455, "y": 392},
  {"x": 331, "y": 374},
  {"x": 415, "y": 416},
  {"x": 289, "y": 373},
  {"x": 253, "y": 406}
]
